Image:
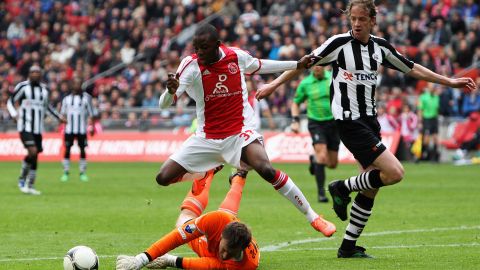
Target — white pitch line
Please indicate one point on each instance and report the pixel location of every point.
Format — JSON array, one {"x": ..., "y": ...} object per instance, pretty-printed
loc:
[
  {"x": 388, "y": 247},
  {"x": 279, "y": 246}
]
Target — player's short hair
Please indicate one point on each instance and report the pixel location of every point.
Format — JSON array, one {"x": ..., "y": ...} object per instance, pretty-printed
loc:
[
  {"x": 237, "y": 234},
  {"x": 369, "y": 5},
  {"x": 208, "y": 29}
]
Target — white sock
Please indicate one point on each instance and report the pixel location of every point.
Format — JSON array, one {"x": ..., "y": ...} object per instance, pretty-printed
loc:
[
  {"x": 290, "y": 191},
  {"x": 66, "y": 165},
  {"x": 82, "y": 165}
]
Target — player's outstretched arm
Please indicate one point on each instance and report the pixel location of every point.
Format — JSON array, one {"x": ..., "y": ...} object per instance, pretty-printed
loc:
[
  {"x": 268, "y": 88},
  {"x": 168, "y": 260},
  {"x": 305, "y": 62},
  {"x": 422, "y": 73}
]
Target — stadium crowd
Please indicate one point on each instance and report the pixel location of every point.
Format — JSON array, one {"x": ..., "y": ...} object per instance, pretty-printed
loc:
[{"x": 84, "y": 38}]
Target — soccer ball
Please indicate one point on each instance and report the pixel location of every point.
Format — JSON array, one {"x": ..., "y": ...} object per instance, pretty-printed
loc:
[{"x": 80, "y": 258}]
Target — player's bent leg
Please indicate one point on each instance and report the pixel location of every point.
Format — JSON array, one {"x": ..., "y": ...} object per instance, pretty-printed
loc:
[
  {"x": 319, "y": 170},
  {"x": 197, "y": 198},
  {"x": 66, "y": 163},
  {"x": 185, "y": 215},
  {"x": 332, "y": 161},
  {"x": 170, "y": 172},
  {"x": 360, "y": 212},
  {"x": 29, "y": 188},
  {"x": 231, "y": 203},
  {"x": 255, "y": 156},
  {"x": 391, "y": 170}
]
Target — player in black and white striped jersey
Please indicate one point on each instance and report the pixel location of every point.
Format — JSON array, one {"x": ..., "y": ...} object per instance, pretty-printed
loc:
[
  {"x": 76, "y": 108},
  {"x": 33, "y": 100},
  {"x": 355, "y": 57}
]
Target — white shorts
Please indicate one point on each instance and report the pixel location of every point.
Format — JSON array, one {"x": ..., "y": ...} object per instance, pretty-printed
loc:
[{"x": 199, "y": 154}]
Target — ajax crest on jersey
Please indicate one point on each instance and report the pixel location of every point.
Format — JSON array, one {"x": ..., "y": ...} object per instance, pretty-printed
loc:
[{"x": 80, "y": 258}]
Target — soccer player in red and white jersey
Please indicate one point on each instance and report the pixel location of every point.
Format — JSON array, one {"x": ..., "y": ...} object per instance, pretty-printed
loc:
[{"x": 215, "y": 78}]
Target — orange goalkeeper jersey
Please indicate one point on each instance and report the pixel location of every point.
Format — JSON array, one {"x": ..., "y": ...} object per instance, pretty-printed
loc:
[{"x": 203, "y": 235}]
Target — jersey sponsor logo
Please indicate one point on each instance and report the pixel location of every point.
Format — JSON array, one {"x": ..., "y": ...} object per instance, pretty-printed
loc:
[
  {"x": 365, "y": 77},
  {"x": 206, "y": 72},
  {"x": 347, "y": 76},
  {"x": 32, "y": 103},
  {"x": 190, "y": 228},
  {"x": 232, "y": 68},
  {"x": 221, "y": 90}
]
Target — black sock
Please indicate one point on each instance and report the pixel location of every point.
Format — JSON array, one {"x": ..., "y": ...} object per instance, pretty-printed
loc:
[
  {"x": 359, "y": 214},
  {"x": 320, "y": 178}
]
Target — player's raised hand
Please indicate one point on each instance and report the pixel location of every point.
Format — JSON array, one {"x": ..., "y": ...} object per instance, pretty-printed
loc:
[
  {"x": 264, "y": 91},
  {"x": 464, "y": 82},
  {"x": 172, "y": 83}
]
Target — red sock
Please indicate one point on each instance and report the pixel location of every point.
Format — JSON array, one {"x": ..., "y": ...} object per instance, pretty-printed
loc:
[{"x": 280, "y": 180}]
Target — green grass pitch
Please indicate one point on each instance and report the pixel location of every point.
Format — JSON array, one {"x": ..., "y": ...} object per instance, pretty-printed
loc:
[{"x": 431, "y": 220}]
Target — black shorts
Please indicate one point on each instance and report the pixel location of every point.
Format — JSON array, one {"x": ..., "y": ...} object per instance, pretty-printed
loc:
[
  {"x": 430, "y": 126},
  {"x": 81, "y": 140},
  {"x": 324, "y": 132},
  {"x": 362, "y": 137},
  {"x": 30, "y": 139}
]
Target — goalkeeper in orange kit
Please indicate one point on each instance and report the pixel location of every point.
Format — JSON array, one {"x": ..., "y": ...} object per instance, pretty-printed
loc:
[{"x": 220, "y": 240}]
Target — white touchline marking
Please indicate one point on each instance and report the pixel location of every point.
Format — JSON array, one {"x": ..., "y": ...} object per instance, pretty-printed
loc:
[{"x": 279, "y": 246}]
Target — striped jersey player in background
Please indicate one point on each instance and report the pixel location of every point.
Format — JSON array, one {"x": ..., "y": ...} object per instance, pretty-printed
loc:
[
  {"x": 32, "y": 99},
  {"x": 76, "y": 108},
  {"x": 355, "y": 57}
]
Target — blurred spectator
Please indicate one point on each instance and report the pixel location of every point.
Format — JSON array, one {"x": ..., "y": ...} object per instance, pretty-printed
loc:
[
  {"x": 85, "y": 38},
  {"x": 448, "y": 106},
  {"x": 395, "y": 102},
  {"x": 144, "y": 122},
  {"x": 132, "y": 120},
  {"x": 149, "y": 100},
  {"x": 16, "y": 29},
  {"x": 388, "y": 121},
  {"x": 408, "y": 126},
  {"x": 471, "y": 103}
]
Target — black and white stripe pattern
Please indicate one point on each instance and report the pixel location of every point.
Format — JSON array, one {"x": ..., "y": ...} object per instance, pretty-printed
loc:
[
  {"x": 359, "y": 182},
  {"x": 33, "y": 99},
  {"x": 82, "y": 165},
  {"x": 358, "y": 219},
  {"x": 76, "y": 109},
  {"x": 355, "y": 71}
]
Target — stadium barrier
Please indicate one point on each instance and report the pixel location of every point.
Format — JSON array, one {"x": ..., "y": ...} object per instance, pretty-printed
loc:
[{"x": 158, "y": 146}]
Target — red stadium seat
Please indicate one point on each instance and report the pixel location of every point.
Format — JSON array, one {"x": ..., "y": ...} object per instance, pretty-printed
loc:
[
  {"x": 472, "y": 73},
  {"x": 464, "y": 131}
]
